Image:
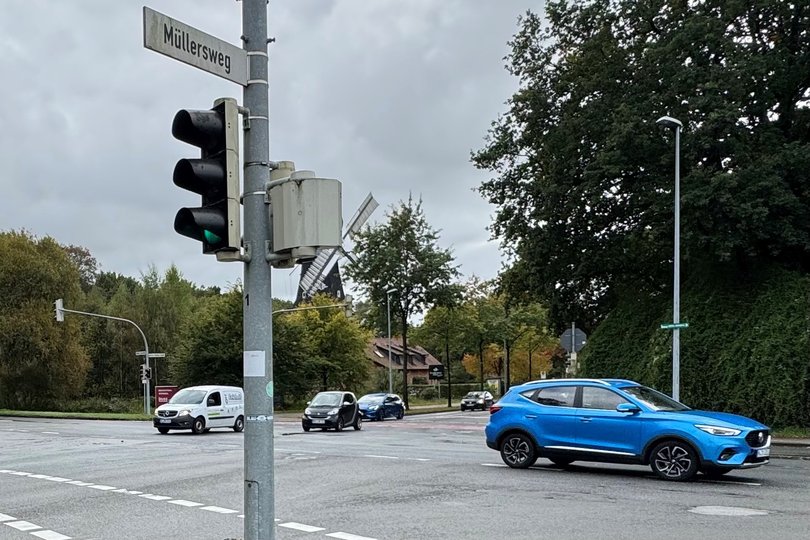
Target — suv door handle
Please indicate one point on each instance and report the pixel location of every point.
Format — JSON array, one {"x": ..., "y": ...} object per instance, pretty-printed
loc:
[
  {"x": 531, "y": 416},
  {"x": 585, "y": 419}
]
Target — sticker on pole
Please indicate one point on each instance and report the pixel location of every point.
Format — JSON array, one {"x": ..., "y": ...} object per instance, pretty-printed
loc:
[{"x": 253, "y": 363}]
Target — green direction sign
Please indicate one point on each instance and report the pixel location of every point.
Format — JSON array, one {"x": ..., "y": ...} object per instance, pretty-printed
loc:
[{"x": 673, "y": 326}]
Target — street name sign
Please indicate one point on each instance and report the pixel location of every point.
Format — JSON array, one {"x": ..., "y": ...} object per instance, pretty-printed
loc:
[
  {"x": 182, "y": 42},
  {"x": 673, "y": 326}
]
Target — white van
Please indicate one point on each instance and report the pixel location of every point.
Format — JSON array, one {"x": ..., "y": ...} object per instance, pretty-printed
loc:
[{"x": 200, "y": 408}]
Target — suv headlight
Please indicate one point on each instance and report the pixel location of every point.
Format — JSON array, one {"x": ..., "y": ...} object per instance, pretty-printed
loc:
[
  {"x": 373, "y": 407},
  {"x": 716, "y": 430}
]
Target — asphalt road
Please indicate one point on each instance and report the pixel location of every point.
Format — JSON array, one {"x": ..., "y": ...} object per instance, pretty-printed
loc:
[{"x": 424, "y": 477}]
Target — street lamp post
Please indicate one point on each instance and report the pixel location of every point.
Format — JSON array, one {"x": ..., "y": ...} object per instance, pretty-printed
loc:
[
  {"x": 388, "y": 309},
  {"x": 676, "y": 126}
]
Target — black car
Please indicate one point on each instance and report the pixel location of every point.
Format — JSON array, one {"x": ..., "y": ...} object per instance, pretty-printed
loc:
[
  {"x": 332, "y": 410},
  {"x": 477, "y": 400}
]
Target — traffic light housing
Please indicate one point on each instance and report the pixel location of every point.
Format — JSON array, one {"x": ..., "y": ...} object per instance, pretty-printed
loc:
[
  {"x": 214, "y": 176},
  {"x": 146, "y": 372}
]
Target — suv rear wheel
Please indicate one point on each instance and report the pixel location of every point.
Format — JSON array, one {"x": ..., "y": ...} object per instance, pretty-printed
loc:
[
  {"x": 674, "y": 460},
  {"x": 518, "y": 451}
]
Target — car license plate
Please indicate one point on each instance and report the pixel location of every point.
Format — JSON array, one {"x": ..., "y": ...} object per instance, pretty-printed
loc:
[
  {"x": 165, "y": 421},
  {"x": 318, "y": 421},
  {"x": 763, "y": 452}
]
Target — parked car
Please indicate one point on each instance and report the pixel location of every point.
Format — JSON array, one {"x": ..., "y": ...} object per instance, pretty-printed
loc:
[
  {"x": 332, "y": 410},
  {"x": 477, "y": 400},
  {"x": 621, "y": 421},
  {"x": 200, "y": 408},
  {"x": 380, "y": 406}
]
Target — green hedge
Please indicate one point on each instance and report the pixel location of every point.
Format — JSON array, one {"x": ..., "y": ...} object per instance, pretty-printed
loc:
[{"x": 747, "y": 348}]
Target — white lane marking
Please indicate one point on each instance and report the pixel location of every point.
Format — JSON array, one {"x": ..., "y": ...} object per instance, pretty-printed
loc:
[
  {"x": 127, "y": 492},
  {"x": 155, "y": 497},
  {"x": 347, "y": 536},
  {"x": 493, "y": 465},
  {"x": 219, "y": 510},
  {"x": 296, "y": 451},
  {"x": 50, "y": 535},
  {"x": 732, "y": 482},
  {"x": 50, "y": 433},
  {"x": 181, "y": 502},
  {"x": 101, "y": 487},
  {"x": 23, "y": 525},
  {"x": 380, "y": 457},
  {"x": 417, "y": 459},
  {"x": 20, "y": 473},
  {"x": 301, "y": 527},
  {"x": 6, "y": 517},
  {"x": 79, "y": 483},
  {"x": 56, "y": 479}
]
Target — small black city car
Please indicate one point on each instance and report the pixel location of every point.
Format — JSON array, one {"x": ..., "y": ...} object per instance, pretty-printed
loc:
[
  {"x": 332, "y": 410},
  {"x": 477, "y": 400}
]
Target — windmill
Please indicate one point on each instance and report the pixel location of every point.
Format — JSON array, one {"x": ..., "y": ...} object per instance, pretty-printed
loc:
[{"x": 322, "y": 274}]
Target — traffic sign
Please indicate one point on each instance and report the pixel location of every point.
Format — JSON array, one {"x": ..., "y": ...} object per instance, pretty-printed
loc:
[
  {"x": 182, "y": 42},
  {"x": 673, "y": 326},
  {"x": 579, "y": 340},
  {"x": 436, "y": 372}
]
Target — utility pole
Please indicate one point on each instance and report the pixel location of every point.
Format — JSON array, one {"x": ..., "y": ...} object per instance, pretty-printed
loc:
[{"x": 257, "y": 302}]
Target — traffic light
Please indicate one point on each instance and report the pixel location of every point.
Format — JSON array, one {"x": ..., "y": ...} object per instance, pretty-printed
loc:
[{"x": 214, "y": 176}]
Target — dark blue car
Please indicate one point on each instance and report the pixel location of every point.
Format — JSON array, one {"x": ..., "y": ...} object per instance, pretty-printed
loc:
[
  {"x": 380, "y": 406},
  {"x": 621, "y": 421}
]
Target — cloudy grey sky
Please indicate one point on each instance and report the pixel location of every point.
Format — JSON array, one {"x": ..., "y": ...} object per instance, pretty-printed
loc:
[{"x": 389, "y": 96}]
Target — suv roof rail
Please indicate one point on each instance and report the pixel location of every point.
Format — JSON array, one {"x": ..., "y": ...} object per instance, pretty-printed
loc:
[{"x": 606, "y": 382}]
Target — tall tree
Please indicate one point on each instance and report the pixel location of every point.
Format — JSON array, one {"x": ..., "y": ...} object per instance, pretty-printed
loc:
[
  {"x": 42, "y": 361},
  {"x": 402, "y": 253},
  {"x": 583, "y": 177}
]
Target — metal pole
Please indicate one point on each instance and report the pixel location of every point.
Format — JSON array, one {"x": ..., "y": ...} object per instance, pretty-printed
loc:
[
  {"x": 676, "y": 303},
  {"x": 257, "y": 303},
  {"x": 390, "y": 373}
]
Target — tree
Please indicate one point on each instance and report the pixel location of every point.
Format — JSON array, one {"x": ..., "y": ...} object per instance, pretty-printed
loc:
[
  {"x": 42, "y": 361},
  {"x": 583, "y": 178},
  {"x": 402, "y": 253}
]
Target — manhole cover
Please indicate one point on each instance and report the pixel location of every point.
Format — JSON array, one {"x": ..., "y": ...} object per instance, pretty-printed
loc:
[{"x": 727, "y": 511}]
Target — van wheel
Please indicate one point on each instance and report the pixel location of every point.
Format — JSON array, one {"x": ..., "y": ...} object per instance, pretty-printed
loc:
[
  {"x": 163, "y": 430},
  {"x": 239, "y": 425},
  {"x": 198, "y": 426}
]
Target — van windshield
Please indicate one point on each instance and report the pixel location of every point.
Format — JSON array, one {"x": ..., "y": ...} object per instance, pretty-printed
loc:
[{"x": 188, "y": 396}]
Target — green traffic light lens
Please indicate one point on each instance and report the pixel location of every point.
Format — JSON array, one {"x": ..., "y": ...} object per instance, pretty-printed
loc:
[{"x": 211, "y": 238}]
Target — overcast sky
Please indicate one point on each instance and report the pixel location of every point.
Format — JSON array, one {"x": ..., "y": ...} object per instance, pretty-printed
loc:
[{"x": 388, "y": 96}]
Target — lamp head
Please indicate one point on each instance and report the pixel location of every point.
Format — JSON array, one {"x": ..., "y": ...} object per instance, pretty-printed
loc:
[{"x": 668, "y": 121}]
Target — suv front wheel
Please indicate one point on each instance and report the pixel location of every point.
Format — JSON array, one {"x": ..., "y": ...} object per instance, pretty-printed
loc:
[
  {"x": 674, "y": 460},
  {"x": 518, "y": 451}
]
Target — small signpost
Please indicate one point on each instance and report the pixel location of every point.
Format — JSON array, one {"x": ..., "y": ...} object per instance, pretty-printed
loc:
[{"x": 673, "y": 326}]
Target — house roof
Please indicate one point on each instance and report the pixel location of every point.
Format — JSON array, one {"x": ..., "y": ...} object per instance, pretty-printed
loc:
[{"x": 377, "y": 352}]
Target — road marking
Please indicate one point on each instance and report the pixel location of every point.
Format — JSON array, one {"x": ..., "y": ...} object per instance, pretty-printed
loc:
[
  {"x": 732, "y": 482},
  {"x": 301, "y": 527},
  {"x": 417, "y": 459},
  {"x": 493, "y": 465},
  {"x": 219, "y": 510},
  {"x": 50, "y": 433},
  {"x": 154, "y": 497},
  {"x": 6, "y": 517},
  {"x": 347, "y": 536},
  {"x": 188, "y": 504},
  {"x": 23, "y": 525},
  {"x": 380, "y": 457},
  {"x": 101, "y": 487},
  {"x": 50, "y": 535},
  {"x": 727, "y": 511}
]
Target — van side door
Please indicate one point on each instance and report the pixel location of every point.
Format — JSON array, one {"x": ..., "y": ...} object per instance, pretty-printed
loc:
[{"x": 213, "y": 406}]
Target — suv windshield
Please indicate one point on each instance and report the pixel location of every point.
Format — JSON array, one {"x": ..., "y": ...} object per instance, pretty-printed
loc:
[
  {"x": 371, "y": 399},
  {"x": 188, "y": 397},
  {"x": 655, "y": 399},
  {"x": 326, "y": 399}
]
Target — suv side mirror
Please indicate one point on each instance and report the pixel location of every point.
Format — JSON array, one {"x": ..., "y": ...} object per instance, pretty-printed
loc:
[{"x": 628, "y": 408}]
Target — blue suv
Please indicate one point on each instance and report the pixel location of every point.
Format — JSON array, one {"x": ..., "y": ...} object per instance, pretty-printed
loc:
[{"x": 621, "y": 421}]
